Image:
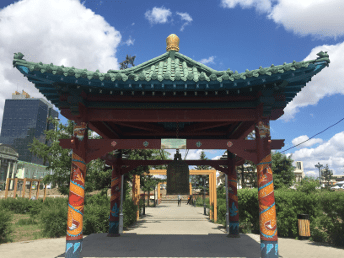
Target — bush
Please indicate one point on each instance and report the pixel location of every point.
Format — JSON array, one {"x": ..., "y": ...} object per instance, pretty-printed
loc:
[
  {"x": 53, "y": 217},
  {"x": 129, "y": 212},
  {"x": 18, "y": 205},
  {"x": 330, "y": 222},
  {"x": 96, "y": 215},
  {"x": 248, "y": 209},
  {"x": 5, "y": 226}
]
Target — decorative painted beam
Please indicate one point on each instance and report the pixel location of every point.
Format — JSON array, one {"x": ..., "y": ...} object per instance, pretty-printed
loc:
[
  {"x": 172, "y": 134},
  {"x": 99, "y": 147},
  {"x": 168, "y": 115}
]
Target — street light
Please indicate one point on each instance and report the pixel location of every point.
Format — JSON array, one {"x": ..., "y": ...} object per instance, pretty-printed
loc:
[
  {"x": 319, "y": 166},
  {"x": 205, "y": 213}
]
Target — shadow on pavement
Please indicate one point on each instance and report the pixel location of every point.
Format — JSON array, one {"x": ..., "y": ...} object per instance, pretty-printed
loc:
[{"x": 133, "y": 245}]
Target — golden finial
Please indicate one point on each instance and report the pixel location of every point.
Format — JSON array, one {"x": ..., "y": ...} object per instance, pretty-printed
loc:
[{"x": 172, "y": 42}]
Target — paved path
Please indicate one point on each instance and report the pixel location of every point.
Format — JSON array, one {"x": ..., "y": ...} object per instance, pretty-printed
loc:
[{"x": 170, "y": 231}]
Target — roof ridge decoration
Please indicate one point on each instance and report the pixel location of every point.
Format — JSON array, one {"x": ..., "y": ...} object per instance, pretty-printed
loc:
[{"x": 171, "y": 65}]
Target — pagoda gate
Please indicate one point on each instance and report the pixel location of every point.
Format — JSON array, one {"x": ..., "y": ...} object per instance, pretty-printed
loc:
[{"x": 142, "y": 107}]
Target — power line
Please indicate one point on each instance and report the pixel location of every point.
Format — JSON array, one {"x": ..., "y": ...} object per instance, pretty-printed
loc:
[{"x": 314, "y": 135}]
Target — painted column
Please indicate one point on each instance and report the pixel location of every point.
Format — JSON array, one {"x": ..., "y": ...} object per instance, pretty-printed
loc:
[
  {"x": 159, "y": 193},
  {"x": 136, "y": 193},
  {"x": 233, "y": 198},
  {"x": 210, "y": 194},
  {"x": 76, "y": 193},
  {"x": 115, "y": 202},
  {"x": 214, "y": 195},
  {"x": 266, "y": 197}
]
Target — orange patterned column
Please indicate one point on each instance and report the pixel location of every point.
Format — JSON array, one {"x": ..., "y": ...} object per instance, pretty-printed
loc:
[
  {"x": 190, "y": 187},
  {"x": 266, "y": 197},
  {"x": 136, "y": 193},
  {"x": 159, "y": 193},
  {"x": 211, "y": 202},
  {"x": 215, "y": 196},
  {"x": 76, "y": 196}
]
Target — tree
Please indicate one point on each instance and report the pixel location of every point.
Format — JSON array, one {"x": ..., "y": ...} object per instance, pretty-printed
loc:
[
  {"x": 197, "y": 180},
  {"x": 327, "y": 174},
  {"x": 126, "y": 62},
  {"x": 283, "y": 170},
  {"x": 307, "y": 185},
  {"x": 98, "y": 174},
  {"x": 149, "y": 183},
  {"x": 247, "y": 172}
]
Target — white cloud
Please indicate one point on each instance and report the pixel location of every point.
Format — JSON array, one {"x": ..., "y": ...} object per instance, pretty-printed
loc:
[
  {"x": 133, "y": 24},
  {"x": 319, "y": 18},
  {"x": 261, "y": 5},
  {"x": 209, "y": 60},
  {"x": 330, "y": 152},
  {"x": 60, "y": 32},
  {"x": 161, "y": 15},
  {"x": 186, "y": 17},
  {"x": 129, "y": 41},
  {"x": 158, "y": 15},
  {"x": 322, "y": 18},
  {"x": 303, "y": 138},
  {"x": 325, "y": 83}
]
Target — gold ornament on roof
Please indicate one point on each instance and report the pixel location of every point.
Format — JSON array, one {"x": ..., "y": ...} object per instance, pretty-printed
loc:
[{"x": 172, "y": 42}]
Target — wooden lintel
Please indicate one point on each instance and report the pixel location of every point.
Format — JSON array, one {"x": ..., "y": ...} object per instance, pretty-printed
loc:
[
  {"x": 170, "y": 115},
  {"x": 99, "y": 147}
]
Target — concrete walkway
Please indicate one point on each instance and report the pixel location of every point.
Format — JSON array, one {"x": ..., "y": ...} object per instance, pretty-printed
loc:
[{"x": 170, "y": 231}]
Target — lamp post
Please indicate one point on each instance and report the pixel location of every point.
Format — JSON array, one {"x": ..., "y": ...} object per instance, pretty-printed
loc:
[
  {"x": 205, "y": 213},
  {"x": 319, "y": 166},
  {"x": 121, "y": 213}
]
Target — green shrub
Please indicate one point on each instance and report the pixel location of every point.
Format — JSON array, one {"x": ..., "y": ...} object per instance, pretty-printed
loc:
[
  {"x": 5, "y": 226},
  {"x": 53, "y": 217},
  {"x": 249, "y": 209},
  {"x": 96, "y": 214},
  {"x": 286, "y": 213},
  {"x": 129, "y": 212},
  {"x": 19, "y": 205},
  {"x": 330, "y": 222}
]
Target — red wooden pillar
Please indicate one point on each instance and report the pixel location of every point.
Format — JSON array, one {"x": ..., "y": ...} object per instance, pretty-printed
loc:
[
  {"x": 115, "y": 202},
  {"x": 266, "y": 197},
  {"x": 76, "y": 192},
  {"x": 233, "y": 198}
]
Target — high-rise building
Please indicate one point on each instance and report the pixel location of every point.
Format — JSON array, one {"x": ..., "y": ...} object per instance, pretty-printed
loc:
[{"x": 25, "y": 118}]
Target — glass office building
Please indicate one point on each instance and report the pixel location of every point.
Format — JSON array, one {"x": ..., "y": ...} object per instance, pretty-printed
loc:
[{"x": 25, "y": 118}]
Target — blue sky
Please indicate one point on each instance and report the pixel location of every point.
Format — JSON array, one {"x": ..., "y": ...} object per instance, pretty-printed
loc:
[{"x": 221, "y": 34}]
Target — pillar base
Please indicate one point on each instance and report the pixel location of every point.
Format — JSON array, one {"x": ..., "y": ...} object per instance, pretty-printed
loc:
[
  {"x": 113, "y": 235},
  {"x": 268, "y": 249},
  {"x": 233, "y": 236},
  {"x": 73, "y": 248}
]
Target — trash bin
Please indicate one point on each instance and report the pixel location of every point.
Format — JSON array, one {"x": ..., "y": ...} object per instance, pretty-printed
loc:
[{"x": 303, "y": 226}]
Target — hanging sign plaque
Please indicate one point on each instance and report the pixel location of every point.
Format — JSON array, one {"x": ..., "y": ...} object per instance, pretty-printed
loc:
[{"x": 173, "y": 143}]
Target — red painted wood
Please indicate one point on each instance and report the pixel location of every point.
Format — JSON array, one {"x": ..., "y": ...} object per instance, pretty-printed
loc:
[
  {"x": 170, "y": 115},
  {"x": 150, "y": 99},
  {"x": 100, "y": 147}
]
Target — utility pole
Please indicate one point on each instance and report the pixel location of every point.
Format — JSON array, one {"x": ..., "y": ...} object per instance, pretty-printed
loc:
[{"x": 319, "y": 166}]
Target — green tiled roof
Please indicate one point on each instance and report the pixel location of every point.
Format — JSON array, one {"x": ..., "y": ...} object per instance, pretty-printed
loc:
[{"x": 171, "y": 66}]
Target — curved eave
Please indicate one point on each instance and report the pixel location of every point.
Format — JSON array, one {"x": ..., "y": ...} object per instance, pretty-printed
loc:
[{"x": 288, "y": 79}]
